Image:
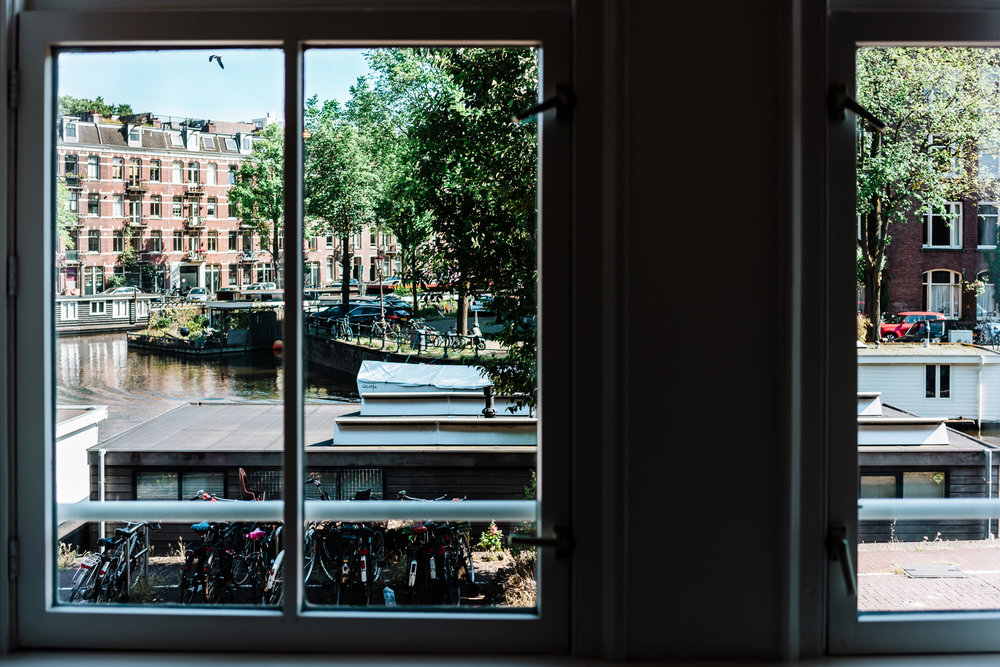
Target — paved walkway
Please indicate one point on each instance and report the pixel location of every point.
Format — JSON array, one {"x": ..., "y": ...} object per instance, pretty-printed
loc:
[{"x": 883, "y": 586}]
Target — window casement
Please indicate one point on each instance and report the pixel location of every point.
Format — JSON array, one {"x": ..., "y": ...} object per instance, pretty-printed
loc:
[
  {"x": 944, "y": 229},
  {"x": 119, "y": 308},
  {"x": 155, "y": 206},
  {"x": 937, "y": 381},
  {"x": 233, "y": 241},
  {"x": 156, "y": 241},
  {"x": 193, "y": 172},
  {"x": 70, "y": 163},
  {"x": 41, "y": 622},
  {"x": 989, "y": 218},
  {"x": 212, "y": 174},
  {"x": 117, "y": 169},
  {"x": 178, "y": 241},
  {"x": 213, "y": 241},
  {"x": 68, "y": 310},
  {"x": 943, "y": 292},
  {"x": 93, "y": 167},
  {"x": 177, "y": 172},
  {"x": 93, "y": 204},
  {"x": 98, "y": 307},
  {"x": 117, "y": 241},
  {"x": 855, "y": 496},
  {"x": 177, "y": 207},
  {"x": 154, "y": 171},
  {"x": 94, "y": 240},
  {"x": 211, "y": 205}
]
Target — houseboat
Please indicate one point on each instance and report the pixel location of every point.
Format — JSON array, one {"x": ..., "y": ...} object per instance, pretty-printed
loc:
[{"x": 100, "y": 313}]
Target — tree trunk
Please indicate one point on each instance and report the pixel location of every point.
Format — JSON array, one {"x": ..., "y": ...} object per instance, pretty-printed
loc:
[
  {"x": 275, "y": 263},
  {"x": 873, "y": 305},
  {"x": 462, "y": 314},
  {"x": 345, "y": 272},
  {"x": 413, "y": 278}
]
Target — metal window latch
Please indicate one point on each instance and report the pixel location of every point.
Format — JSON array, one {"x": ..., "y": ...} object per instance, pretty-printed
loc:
[
  {"x": 562, "y": 102},
  {"x": 563, "y": 541},
  {"x": 838, "y": 100},
  {"x": 839, "y": 550}
]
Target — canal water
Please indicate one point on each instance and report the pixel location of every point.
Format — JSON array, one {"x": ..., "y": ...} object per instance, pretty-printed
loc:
[{"x": 137, "y": 385}]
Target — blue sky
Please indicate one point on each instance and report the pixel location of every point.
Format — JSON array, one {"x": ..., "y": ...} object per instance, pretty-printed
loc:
[{"x": 186, "y": 84}]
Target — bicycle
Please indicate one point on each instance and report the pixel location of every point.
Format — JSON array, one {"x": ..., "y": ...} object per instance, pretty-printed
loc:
[
  {"x": 111, "y": 575},
  {"x": 439, "y": 560},
  {"x": 341, "y": 328}
]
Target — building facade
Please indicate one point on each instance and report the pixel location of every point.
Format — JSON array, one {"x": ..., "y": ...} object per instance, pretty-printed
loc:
[{"x": 161, "y": 186}]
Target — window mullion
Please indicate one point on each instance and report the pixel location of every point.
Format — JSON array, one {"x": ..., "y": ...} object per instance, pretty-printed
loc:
[{"x": 293, "y": 393}]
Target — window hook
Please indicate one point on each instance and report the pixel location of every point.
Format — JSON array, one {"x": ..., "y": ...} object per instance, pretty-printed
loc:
[
  {"x": 562, "y": 102},
  {"x": 838, "y": 100}
]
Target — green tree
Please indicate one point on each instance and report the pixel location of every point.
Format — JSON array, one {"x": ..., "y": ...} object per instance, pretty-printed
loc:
[
  {"x": 259, "y": 193},
  {"x": 72, "y": 105},
  {"x": 942, "y": 107},
  {"x": 65, "y": 218},
  {"x": 340, "y": 178}
]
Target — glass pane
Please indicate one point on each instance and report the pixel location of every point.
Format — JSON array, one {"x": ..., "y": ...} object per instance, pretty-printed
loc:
[
  {"x": 926, "y": 434},
  {"x": 420, "y": 296},
  {"x": 168, "y": 377}
]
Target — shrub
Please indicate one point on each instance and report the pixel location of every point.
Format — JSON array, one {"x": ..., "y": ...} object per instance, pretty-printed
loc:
[
  {"x": 863, "y": 325},
  {"x": 491, "y": 541}
]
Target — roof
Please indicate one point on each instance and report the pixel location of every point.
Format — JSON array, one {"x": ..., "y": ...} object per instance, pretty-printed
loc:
[
  {"x": 871, "y": 352},
  {"x": 897, "y": 430}
]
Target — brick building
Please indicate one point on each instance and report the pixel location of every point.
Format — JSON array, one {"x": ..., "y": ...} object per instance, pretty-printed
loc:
[{"x": 161, "y": 184}]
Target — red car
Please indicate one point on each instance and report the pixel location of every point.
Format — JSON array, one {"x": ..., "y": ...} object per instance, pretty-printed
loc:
[{"x": 899, "y": 324}]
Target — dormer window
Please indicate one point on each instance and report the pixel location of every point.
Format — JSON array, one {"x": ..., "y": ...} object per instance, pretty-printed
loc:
[
  {"x": 70, "y": 132},
  {"x": 209, "y": 143},
  {"x": 230, "y": 144},
  {"x": 133, "y": 135},
  {"x": 175, "y": 141},
  {"x": 246, "y": 143}
]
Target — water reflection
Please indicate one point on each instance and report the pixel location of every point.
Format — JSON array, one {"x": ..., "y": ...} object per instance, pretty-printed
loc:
[{"x": 138, "y": 385}]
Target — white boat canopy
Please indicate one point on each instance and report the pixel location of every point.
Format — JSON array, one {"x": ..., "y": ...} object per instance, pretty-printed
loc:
[{"x": 384, "y": 376}]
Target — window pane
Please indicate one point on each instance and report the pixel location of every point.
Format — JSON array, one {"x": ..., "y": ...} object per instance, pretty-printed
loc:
[
  {"x": 171, "y": 391},
  {"x": 923, "y": 485},
  {"x": 426, "y": 321},
  {"x": 878, "y": 486}
]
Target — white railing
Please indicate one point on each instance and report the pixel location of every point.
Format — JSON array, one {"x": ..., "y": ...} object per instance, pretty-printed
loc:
[
  {"x": 315, "y": 510},
  {"x": 905, "y": 509}
]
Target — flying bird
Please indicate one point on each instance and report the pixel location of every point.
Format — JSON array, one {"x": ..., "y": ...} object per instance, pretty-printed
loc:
[{"x": 219, "y": 58}]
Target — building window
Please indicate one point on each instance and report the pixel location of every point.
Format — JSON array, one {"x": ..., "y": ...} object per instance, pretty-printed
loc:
[
  {"x": 937, "y": 381},
  {"x": 94, "y": 167},
  {"x": 68, "y": 311},
  {"x": 177, "y": 485},
  {"x": 117, "y": 206},
  {"x": 210, "y": 207},
  {"x": 156, "y": 241},
  {"x": 133, "y": 135},
  {"x": 135, "y": 211},
  {"x": 194, "y": 241},
  {"x": 98, "y": 307},
  {"x": 94, "y": 240},
  {"x": 93, "y": 279},
  {"x": 176, "y": 142},
  {"x": 70, "y": 165},
  {"x": 71, "y": 132},
  {"x": 177, "y": 207},
  {"x": 942, "y": 292},
  {"x": 247, "y": 242},
  {"x": 155, "y": 206},
  {"x": 178, "y": 240},
  {"x": 312, "y": 274},
  {"x": 93, "y": 204},
  {"x": 230, "y": 144},
  {"x": 208, "y": 143},
  {"x": 212, "y": 173},
  {"x": 177, "y": 172},
  {"x": 329, "y": 242},
  {"x": 193, "y": 172},
  {"x": 117, "y": 240},
  {"x": 213, "y": 277},
  {"x": 232, "y": 173},
  {"x": 233, "y": 241},
  {"x": 118, "y": 169},
  {"x": 136, "y": 241},
  {"x": 989, "y": 217},
  {"x": 154, "y": 171},
  {"x": 313, "y": 243},
  {"x": 213, "y": 241},
  {"x": 944, "y": 230},
  {"x": 74, "y": 201},
  {"x": 903, "y": 484},
  {"x": 233, "y": 274}
]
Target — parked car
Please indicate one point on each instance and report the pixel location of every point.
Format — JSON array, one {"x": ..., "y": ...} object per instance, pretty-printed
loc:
[
  {"x": 918, "y": 331},
  {"x": 326, "y": 316},
  {"x": 197, "y": 294},
  {"x": 261, "y": 286},
  {"x": 123, "y": 290},
  {"x": 900, "y": 323}
]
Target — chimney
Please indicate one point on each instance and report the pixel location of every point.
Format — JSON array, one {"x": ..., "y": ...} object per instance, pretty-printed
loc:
[
  {"x": 94, "y": 116},
  {"x": 156, "y": 123},
  {"x": 210, "y": 127}
]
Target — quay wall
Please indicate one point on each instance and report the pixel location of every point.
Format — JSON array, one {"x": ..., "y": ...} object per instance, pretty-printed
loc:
[{"x": 346, "y": 358}]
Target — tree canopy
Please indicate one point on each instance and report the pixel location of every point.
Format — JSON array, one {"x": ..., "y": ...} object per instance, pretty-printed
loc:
[
  {"x": 73, "y": 105},
  {"x": 259, "y": 193}
]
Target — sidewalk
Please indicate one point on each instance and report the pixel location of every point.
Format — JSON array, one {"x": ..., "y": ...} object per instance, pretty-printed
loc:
[{"x": 883, "y": 585}]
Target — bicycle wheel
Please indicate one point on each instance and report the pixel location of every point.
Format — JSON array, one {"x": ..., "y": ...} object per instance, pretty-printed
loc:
[
  {"x": 376, "y": 560},
  {"x": 463, "y": 558},
  {"x": 83, "y": 584},
  {"x": 240, "y": 570}
]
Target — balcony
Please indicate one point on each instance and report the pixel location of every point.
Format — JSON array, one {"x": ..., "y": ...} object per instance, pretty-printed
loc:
[
  {"x": 135, "y": 185},
  {"x": 196, "y": 256},
  {"x": 194, "y": 221},
  {"x": 135, "y": 222},
  {"x": 195, "y": 189},
  {"x": 73, "y": 181},
  {"x": 248, "y": 256},
  {"x": 72, "y": 256},
  {"x": 74, "y": 222}
]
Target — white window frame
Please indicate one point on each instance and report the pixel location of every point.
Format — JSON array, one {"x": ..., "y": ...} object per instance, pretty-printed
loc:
[
  {"x": 42, "y": 625},
  {"x": 849, "y": 632},
  {"x": 955, "y": 230},
  {"x": 954, "y": 286},
  {"x": 119, "y": 308},
  {"x": 996, "y": 223},
  {"x": 69, "y": 311}
]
